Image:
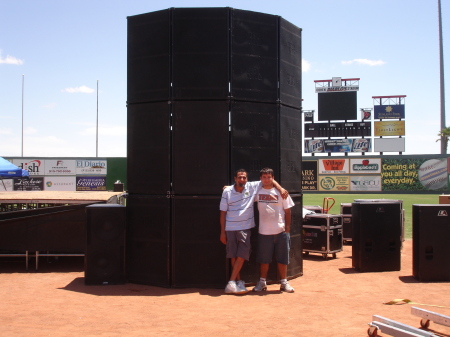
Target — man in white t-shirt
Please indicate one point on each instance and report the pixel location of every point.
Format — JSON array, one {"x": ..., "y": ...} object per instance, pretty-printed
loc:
[
  {"x": 236, "y": 221},
  {"x": 274, "y": 231}
]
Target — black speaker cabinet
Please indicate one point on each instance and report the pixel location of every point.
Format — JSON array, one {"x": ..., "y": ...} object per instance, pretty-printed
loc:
[
  {"x": 200, "y": 147},
  {"x": 148, "y": 239},
  {"x": 198, "y": 256},
  {"x": 105, "y": 249},
  {"x": 376, "y": 242},
  {"x": 431, "y": 249},
  {"x": 148, "y": 147}
]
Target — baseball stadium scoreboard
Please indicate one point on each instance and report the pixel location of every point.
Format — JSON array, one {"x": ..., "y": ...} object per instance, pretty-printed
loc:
[{"x": 338, "y": 129}]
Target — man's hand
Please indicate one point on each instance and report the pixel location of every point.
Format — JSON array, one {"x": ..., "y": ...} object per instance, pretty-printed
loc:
[
  {"x": 223, "y": 238},
  {"x": 284, "y": 193}
]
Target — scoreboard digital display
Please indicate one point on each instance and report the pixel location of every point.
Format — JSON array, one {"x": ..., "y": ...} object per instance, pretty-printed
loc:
[{"x": 339, "y": 105}]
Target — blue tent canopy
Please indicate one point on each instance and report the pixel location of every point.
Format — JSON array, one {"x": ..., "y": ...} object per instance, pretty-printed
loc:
[{"x": 9, "y": 170}]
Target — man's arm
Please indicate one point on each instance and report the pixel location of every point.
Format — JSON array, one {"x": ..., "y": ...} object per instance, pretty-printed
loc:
[
  {"x": 223, "y": 235},
  {"x": 287, "y": 220},
  {"x": 284, "y": 193}
]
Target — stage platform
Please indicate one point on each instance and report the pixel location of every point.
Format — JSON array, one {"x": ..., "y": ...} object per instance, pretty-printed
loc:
[{"x": 55, "y": 197}]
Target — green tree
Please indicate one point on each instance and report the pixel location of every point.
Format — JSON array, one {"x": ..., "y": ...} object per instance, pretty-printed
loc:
[{"x": 444, "y": 135}]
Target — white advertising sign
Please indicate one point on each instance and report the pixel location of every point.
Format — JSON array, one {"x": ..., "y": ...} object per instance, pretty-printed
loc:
[
  {"x": 60, "y": 167},
  {"x": 365, "y": 183},
  {"x": 91, "y": 167},
  {"x": 60, "y": 183},
  {"x": 365, "y": 165},
  {"x": 389, "y": 144},
  {"x": 35, "y": 167}
]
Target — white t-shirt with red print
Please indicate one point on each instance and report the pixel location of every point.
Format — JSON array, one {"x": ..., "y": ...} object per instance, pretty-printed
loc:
[{"x": 271, "y": 208}]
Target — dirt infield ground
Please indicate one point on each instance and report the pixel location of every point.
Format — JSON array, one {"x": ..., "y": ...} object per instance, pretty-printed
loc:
[{"x": 330, "y": 299}]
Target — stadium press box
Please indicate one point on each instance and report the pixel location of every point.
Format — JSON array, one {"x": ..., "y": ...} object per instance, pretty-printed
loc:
[{"x": 323, "y": 234}]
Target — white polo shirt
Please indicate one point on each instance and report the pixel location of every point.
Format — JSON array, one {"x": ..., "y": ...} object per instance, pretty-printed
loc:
[{"x": 239, "y": 206}]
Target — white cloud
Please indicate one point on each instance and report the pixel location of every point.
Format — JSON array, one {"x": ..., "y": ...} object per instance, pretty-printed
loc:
[
  {"x": 306, "y": 66},
  {"x": 83, "y": 89},
  {"x": 10, "y": 60},
  {"x": 364, "y": 62}
]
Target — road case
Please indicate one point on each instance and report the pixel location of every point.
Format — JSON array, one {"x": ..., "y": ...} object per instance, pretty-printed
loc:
[{"x": 323, "y": 234}]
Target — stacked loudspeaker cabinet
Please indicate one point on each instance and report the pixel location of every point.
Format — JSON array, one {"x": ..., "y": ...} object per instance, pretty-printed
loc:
[
  {"x": 210, "y": 90},
  {"x": 431, "y": 251},
  {"x": 377, "y": 236}
]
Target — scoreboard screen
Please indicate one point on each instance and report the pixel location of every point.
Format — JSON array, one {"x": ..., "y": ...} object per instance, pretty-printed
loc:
[{"x": 337, "y": 106}]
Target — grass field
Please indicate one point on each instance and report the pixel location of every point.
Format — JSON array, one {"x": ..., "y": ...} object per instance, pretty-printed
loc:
[{"x": 408, "y": 201}]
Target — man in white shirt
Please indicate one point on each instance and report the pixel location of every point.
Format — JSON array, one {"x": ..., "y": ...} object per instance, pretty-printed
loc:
[
  {"x": 236, "y": 221},
  {"x": 274, "y": 231}
]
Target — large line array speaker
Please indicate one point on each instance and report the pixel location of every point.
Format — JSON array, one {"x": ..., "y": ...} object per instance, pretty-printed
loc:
[
  {"x": 105, "y": 246},
  {"x": 210, "y": 91},
  {"x": 213, "y": 53},
  {"x": 376, "y": 242},
  {"x": 431, "y": 251}
]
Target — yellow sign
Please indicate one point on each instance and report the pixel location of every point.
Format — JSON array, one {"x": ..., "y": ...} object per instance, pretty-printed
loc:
[
  {"x": 334, "y": 183},
  {"x": 389, "y": 128}
]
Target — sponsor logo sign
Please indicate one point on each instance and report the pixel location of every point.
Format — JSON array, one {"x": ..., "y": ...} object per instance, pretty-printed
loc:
[
  {"x": 8, "y": 185},
  {"x": 394, "y": 111},
  {"x": 338, "y": 145},
  {"x": 337, "y": 88},
  {"x": 369, "y": 165},
  {"x": 91, "y": 167},
  {"x": 91, "y": 184},
  {"x": 333, "y": 166},
  {"x": 31, "y": 184},
  {"x": 334, "y": 183},
  {"x": 309, "y": 175},
  {"x": 60, "y": 183},
  {"x": 365, "y": 183},
  {"x": 35, "y": 167},
  {"x": 314, "y": 146},
  {"x": 361, "y": 145},
  {"x": 389, "y": 128},
  {"x": 60, "y": 167}
]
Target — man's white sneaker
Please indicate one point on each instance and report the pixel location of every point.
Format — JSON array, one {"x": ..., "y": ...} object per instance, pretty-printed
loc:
[
  {"x": 241, "y": 289},
  {"x": 286, "y": 287},
  {"x": 260, "y": 286},
  {"x": 231, "y": 287}
]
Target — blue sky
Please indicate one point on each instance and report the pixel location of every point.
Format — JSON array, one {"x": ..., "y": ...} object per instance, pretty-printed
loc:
[{"x": 63, "y": 47}]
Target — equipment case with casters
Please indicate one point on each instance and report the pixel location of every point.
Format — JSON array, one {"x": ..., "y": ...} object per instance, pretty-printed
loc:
[
  {"x": 323, "y": 234},
  {"x": 347, "y": 227}
]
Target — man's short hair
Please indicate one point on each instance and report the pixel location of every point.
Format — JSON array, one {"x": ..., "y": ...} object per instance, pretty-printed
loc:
[
  {"x": 266, "y": 170},
  {"x": 239, "y": 171}
]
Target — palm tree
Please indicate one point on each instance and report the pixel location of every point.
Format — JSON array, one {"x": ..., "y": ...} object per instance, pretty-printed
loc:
[{"x": 444, "y": 135}]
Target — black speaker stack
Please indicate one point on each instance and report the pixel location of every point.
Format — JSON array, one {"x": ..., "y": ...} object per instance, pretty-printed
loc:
[
  {"x": 377, "y": 235},
  {"x": 431, "y": 249},
  {"x": 105, "y": 246},
  {"x": 210, "y": 90}
]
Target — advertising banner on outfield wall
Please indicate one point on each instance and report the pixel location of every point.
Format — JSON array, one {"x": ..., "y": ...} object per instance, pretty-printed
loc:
[
  {"x": 414, "y": 174},
  {"x": 333, "y": 166},
  {"x": 309, "y": 175},
  {"x": 91, "y": 183},
  {"x": 91, "y": 167},
  {"x": 29, "y": 184},
  {"x": 365, "y": 165},
  {"x": 338, "y": 145},
  {"x": 334, "y": 183},
  {"x": 60, "y": 183},
  {"x": 59, "y": 167},
  {"x": 35, "y": 167},
  {"x": 365, "y": 183},
  {"x": 389, "y": 128},
  {"x": 8, "y": 185}
]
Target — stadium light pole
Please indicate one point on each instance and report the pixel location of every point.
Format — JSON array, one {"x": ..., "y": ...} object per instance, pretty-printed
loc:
[
  {"x": 442, "y": 86},
  {"x": 96, "y": 132},
  {"x": 23, "y": 86}
]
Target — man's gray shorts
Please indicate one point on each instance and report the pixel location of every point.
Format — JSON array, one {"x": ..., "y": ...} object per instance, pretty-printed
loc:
[
  {"x": 267, "y": 244},
  {"x": 238, "y": 244}
]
